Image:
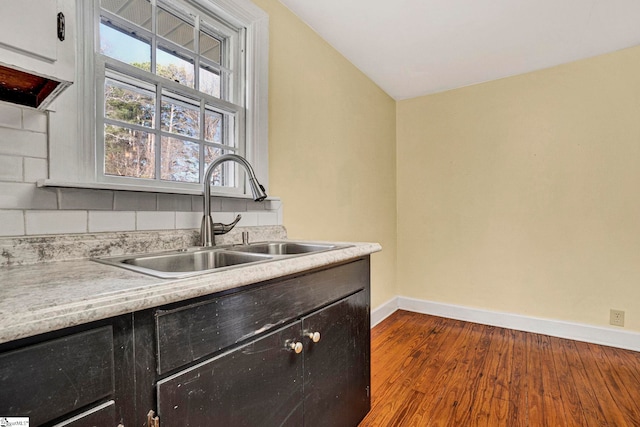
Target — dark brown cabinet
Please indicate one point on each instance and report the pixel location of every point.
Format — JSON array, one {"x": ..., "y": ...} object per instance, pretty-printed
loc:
[
  {"x": 257, "y": 384},
  {"x": 75, "y": 377},
  {"x": 337, "y": 367},
  {"x": 267, "y": 383},
  {"x": 288, "y": 352}
]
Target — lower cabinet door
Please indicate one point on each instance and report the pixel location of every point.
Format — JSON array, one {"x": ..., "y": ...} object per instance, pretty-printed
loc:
[
  {"x": 258, "y": 384},
  {"x": 337, "y": 366}
]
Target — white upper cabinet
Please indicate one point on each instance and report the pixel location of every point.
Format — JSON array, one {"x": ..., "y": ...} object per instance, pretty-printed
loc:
[{"x": 29, "y": 37}]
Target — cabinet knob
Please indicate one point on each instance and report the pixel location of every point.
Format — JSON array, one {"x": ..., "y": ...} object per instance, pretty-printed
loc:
[
  {"x": 315, "y": 336},
  {"x": 296, "y": 346}
]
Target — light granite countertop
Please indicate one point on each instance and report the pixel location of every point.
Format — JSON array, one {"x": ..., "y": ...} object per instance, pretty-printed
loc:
[{"x": 43, "y": 297}]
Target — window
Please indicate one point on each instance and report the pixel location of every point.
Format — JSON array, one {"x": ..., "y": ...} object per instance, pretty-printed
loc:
[{"x": 173, "y": 84}]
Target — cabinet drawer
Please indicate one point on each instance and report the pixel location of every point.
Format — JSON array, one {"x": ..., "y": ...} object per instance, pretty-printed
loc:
[
  {"x": 191, "y": 332},
  {"x": 45, "y": 381}
]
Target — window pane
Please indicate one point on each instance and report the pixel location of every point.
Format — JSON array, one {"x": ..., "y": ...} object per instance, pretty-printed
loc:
[
  {"x": 209, "y": 82},
  {"x": 125, "y": 47},
  {"x": 128, "y": 152},
  {"x": 179, "y": 117},
  {"x": 225, "y": 174},
  {"x": 180, "y": 160},
  {"x": 128, "y": 103},
  {"x": 136, "y": 11},
  {"x": 174, "y": 68},
  {"x": 175, "y": 29},
  {"x": 210, "y": 47},
  {"x": 213, "y": 126}
]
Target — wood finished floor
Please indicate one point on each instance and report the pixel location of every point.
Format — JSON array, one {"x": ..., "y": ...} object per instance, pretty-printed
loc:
[{"x": 432, "y": 371}]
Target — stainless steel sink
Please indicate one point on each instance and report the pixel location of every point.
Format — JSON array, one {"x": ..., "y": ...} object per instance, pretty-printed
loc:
[
  {"x": 284, "y": 248},
  {"x": 200, "y": 260},
  {"x": 184, "y": 263}
]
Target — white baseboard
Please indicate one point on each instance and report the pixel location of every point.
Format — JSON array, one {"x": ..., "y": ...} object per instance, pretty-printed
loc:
[
  {"x": 384, "y": 311},
  {"x": 556, "y": 328}
]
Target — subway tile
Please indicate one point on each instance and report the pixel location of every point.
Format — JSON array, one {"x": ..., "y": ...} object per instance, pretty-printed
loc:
[
  {"x": 134, "y": 201},
  {"x": 11, "y": 223},
  {"x": 11, "y": 168},
  {"x": 188, "y": 220},
  {"x": 34, "y": 120},
  {"x": 197, "y": 204},
  {"x": 10, "y": 116},
  {"x": 26, "y": 196},
  {"x": 55, "y": 222},
  {"x": 174, "y": 202},
  {"x": 248, "y": 219},
  {"x": 255, "y": 206},
  {"x": 80, "y": 198},
  {"x": 17, "y": 142},
  {"x": 35, "y": 169},
  {"x": 100, "y": 221},
  {"x": 155, "y": 220},
  {"x": 268, "y": 218},
  {"x": 272, "y": 205},
  {"x": 233, "y": 205}
]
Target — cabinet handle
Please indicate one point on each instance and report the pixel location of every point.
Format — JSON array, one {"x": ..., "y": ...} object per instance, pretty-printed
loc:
[
  {"x": 296, "y": 346},
  {"x": 315, "y": 336},
  {"x": 152, "y": 419}
]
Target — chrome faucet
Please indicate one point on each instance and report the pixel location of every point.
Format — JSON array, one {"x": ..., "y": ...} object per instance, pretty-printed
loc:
[{"x": 208, "y": 229}]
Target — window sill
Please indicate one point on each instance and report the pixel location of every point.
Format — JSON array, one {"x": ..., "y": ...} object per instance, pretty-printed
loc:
[{"x": 139, "y": 188}]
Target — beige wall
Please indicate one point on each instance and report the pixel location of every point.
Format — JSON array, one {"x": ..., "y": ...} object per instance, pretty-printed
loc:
[
  {"x": 522, "y": 195},
  {"x": 331, "y": 145}
]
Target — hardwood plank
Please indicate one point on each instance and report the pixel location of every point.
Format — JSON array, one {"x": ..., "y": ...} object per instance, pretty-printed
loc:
[
  {"x": 590, "y": 407},
  {"x": 616, "y": 384},
  {"x": 608, "y": 403},
  {"x": 568, "y": 392},
  {"x": 535, "y": 389},
  {"x": 457, "y": 395},
  {"x": 431, "y": 371},
  {"x": 517, "y": 415}
]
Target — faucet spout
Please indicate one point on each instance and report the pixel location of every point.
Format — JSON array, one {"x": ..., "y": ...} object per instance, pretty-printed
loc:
[{"x": 258, "y": 191}]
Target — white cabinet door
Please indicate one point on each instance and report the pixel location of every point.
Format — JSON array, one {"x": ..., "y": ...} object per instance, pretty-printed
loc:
[
  {"x": 30, "y": 26},
  {"x": 29, "y": 37}
]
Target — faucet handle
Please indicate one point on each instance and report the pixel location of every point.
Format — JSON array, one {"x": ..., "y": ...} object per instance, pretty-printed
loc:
[{"x": 220, "y": 228}]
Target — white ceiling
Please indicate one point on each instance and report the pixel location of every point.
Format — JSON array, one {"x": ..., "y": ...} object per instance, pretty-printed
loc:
[{"x": 416, "y": 47}]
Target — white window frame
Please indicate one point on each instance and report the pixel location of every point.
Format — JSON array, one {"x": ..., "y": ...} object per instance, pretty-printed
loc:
[{"x": 74, "y": 157}]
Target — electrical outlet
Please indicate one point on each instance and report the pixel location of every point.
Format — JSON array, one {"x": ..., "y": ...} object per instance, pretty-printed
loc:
[{"x": 616, "y": 317}]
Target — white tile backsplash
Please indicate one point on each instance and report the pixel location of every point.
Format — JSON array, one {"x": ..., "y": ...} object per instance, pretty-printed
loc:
[
  {"x": 174, "y": 202},
  {"x": 17, "y": 195},
  {"x": 18, "y": 142},
  {"x": 72, "y": 198},
  {"x": 11, "y": 223},
  {"x": 134, "y": 201},
  {"x": 249, "y": 219},
  {"x": 268, "y": 218},
  {"x": 11, "y": 168},
  {"x": 55, "y": 222},
  {"x": 101, "y": 221},
  {"x": 155, "y": 220},
  {"x": 35, "y": 169},
  {"x": 188, "y": 220},
  {"x": 34, "y": 120},
  {"x": 10, "y": 116}
]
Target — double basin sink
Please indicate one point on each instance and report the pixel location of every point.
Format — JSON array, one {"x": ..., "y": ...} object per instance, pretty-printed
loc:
[{"x": 199, "y": 260}]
